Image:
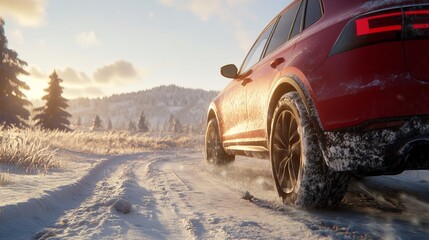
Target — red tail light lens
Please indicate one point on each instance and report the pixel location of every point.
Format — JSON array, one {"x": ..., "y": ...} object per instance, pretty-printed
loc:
[
  {"x": 370, "y": 29},
  {"x": 379, "y": 24},
  {"x": 384, "y": 26}
]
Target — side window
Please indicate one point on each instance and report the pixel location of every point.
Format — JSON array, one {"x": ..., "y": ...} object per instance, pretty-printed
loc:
[
  {"x": 313, "y": 13},
  {"x": 255, "y": 53},
  {"x": 281, "y": 32},
  {"x": 297, "y": 25}
]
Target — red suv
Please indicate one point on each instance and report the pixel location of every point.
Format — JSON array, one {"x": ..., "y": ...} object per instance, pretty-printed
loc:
[{"x": 330, "y": 89}]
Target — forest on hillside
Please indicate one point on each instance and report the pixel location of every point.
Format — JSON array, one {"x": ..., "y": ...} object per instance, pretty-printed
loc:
[{"x": 160, "y": 104}]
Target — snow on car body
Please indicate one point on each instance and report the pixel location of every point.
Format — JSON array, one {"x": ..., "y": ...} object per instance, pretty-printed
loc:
[{"x": 330, "y": 88}]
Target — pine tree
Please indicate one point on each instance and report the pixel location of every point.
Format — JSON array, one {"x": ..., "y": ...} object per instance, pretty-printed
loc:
[
  {"x": 109, "y": 124},
  {"x": 142, "y": 125},
  {"x": 131, "y": 126},
  {"x": 177, "y": 126},
  {"x": 12, "y": 99},
  {"x": 174, "y": 124},
  {"x": 53, "y": 116},
  {"x": 97, "y": 124}
]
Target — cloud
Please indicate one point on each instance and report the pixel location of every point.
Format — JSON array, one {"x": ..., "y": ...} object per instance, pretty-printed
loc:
[
  {"x": 86, "y": 39},
  {"x": 106, "y": 79},
  {"x": 26, "y": 12},
  {"x": 204, "y": 9},
  {"x": 239, "y": 3},
  {"x": 168, "y": 3},
  {"x": 37, "y": 73},
  {"x": 231, "y": 11},
  {"x": 72, "y": 76},
  {"x": 119, "y": 73},
  {"x": 76, "y": 83}
]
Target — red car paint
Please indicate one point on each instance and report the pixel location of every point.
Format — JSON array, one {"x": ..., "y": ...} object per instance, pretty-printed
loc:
[{"x": 363, "y": 61}]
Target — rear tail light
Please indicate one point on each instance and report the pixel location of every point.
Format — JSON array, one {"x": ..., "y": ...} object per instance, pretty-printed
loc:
[
  {"x": 384, "y": 26},
  {"x": 381, "y": 23}
]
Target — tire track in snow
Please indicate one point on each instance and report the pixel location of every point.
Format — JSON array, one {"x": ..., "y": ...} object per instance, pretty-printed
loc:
[
  {"x": 22, "y": 220},
  {"x": 96, "y": 216},
  {"x": 221, "y": 213},
  {"x": 169, "y": 192},
  {"x": 175, "y": 195},
  {"x": 343, "y": 223}
]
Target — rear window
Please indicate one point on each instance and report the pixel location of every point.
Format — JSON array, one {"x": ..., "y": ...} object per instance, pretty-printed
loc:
[
  {"x": 298, "y": 20},
  {"x": 281, "y": 33},
  {"x": 313, "y": 13}
]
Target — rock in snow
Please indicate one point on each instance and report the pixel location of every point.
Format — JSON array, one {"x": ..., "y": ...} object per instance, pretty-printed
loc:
[
  {"x": 122, "y": 206},
  {"x": 247, "y": 196}
]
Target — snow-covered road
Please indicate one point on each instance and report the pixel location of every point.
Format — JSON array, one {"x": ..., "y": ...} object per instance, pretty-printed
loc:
[{"x": 175, "y": 195}]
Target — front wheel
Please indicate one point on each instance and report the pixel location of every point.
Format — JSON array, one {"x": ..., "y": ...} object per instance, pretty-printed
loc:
[
  {"x": 300, "y": 174},
  {"x": 214, "y": 152}
]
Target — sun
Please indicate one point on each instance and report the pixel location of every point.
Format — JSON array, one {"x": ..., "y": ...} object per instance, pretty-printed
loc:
[{"x": 36, "y": 91}]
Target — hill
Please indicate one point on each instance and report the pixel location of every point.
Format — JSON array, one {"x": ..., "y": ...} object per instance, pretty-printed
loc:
[{"x": 189, "y": 106}]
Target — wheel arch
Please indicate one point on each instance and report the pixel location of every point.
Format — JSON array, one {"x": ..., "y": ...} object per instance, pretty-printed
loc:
[
  {"x": 212, "y": 113},
  {"x": 292, "y": 83}
]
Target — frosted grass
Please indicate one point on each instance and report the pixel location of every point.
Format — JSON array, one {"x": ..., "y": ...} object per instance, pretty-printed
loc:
[
  {"x": 31, "y": 151},
  {"x": 23, "y": 150}
]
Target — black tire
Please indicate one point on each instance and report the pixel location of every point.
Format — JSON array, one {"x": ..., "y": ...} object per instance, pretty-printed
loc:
[
  {"x": 214, "y": 152},
  {"x": 300, "y": 173}
]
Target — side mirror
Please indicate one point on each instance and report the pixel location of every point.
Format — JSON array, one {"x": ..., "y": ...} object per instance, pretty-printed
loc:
[{"x": 229, "y": 71}]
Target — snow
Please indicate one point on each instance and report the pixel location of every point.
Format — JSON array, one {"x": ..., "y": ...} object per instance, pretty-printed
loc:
[
  {"x": 174, "y": 194},
  {"x": 355, "y": 150},
  {"x": 371, "y": 5},
  {"x": 188, "y": 105}
]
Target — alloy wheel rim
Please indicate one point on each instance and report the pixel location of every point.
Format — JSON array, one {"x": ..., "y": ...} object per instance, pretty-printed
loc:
[{"x": 286, "y": 151}]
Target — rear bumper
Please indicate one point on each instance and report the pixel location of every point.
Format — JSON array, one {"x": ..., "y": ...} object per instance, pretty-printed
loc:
[
  {"x": 379, "y": 151},
  {"x": 368, "y": 83}
]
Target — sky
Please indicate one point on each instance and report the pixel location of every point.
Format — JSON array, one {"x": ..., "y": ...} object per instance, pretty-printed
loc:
[{"x": 103, "y": 47}]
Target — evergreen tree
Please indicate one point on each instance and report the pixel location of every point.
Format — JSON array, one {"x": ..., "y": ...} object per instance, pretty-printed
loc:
[
  {"x": 109, "y": 124},
  {"x": 53, "y": 116},
  {"x": 177, "y": 126},
  {"x": 97, "y": 124},
  {"x": 142, "y": 125},
  {"x": 12, "y": 99},
  {"x": 131, "y": 126}
]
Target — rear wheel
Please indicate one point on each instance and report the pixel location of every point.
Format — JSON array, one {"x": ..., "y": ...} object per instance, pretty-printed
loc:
[
  {"x": 214, "y": 151},
  {"x": 300, "y": 174}
]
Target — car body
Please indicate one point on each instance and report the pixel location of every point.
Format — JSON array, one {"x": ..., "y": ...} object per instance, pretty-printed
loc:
[{"x": 361, "y": 70}]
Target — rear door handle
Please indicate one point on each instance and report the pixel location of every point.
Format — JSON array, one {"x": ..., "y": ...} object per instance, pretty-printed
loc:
[{"x": 276, "y": 62}]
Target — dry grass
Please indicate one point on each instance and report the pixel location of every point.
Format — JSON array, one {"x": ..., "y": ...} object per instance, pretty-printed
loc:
[
  {"x": 23, "y": 150},
  {"x": 33, "y": 150},
  {"x": 118, "y": 142}
]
